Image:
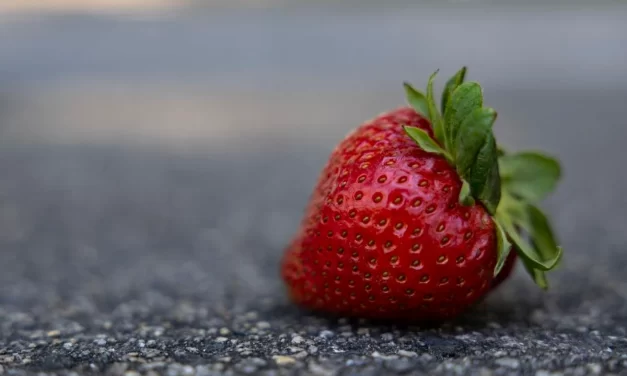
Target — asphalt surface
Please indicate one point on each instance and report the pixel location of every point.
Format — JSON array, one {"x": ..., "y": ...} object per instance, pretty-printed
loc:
[{"x": 149, "y": 185}]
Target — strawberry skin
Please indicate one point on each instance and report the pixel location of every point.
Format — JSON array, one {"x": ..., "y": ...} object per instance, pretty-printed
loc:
[
  {"x": 385, "y": 236},
  {"x": 418, "y": 214}
]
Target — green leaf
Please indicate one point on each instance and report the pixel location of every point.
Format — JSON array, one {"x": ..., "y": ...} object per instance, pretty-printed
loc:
[
  {"x": 464, "y": 100},
  {"x": 485, "y": 180},
  {"x": 434, "y": 114},
  {"x": 514, "y": 209},
  {"x": 529, "y": 175},
  {"x": 538, "y": 276},
  {"x": 465, "y": 198},
  {"x": 543, "y": 253},
  {"x": 417, "y": 100},
  {"x": 503, "y": 248},
  {"x": 541, "y": 234},
  {"x": 527, "y": 251},
  {"x": 471, "y": 137},
  {"x": 423, "y": 139},
  {"x": 451, "y": 85}
]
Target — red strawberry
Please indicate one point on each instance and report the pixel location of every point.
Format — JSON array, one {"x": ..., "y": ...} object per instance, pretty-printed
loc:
[{"x": 413, "y": 214}]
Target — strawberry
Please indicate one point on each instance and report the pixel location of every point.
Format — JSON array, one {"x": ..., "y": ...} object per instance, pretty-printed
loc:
[{"x": 415, "y": 213}]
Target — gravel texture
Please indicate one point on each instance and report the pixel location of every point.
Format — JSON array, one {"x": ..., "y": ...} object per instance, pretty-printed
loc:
[{"x": 143, "y": 262}]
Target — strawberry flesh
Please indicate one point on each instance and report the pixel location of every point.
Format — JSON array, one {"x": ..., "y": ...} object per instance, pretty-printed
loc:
[{"x": 384, "y": 235}]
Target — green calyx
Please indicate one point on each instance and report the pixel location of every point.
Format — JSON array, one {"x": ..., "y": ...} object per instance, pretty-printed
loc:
[{"x": 509, "y": 186}]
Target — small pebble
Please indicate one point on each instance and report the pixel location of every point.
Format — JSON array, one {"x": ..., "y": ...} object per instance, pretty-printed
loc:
[
  {"x": 218, "y": 367},
  {"x": 508, "y": 362},
  {"x": 300, "y": 355},
  {"x": 376, "y": 354},
  {"x": 595, "y": 368},
  {"x": 283, "y": 360},
  {"x": 409, "y": 354},
  {"x": 258, "y": 361},
  {"x": 326, "y": 334},
  {"x": 297, "y": 340}
]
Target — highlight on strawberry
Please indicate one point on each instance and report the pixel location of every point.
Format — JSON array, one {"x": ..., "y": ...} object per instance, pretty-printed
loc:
[{"x": 418, "y": 213}]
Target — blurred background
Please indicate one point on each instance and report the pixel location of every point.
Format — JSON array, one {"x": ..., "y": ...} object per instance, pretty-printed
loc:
[{"x": 168, "y": 147}]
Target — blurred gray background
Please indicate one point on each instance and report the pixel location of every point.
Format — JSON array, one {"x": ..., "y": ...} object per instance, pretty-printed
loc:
[
  {"x": 188, "y": 76},
  {"x": 154, "y": 152}
]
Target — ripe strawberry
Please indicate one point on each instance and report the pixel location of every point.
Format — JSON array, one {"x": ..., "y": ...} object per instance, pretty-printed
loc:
[{"x": 413, "y": 214}]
